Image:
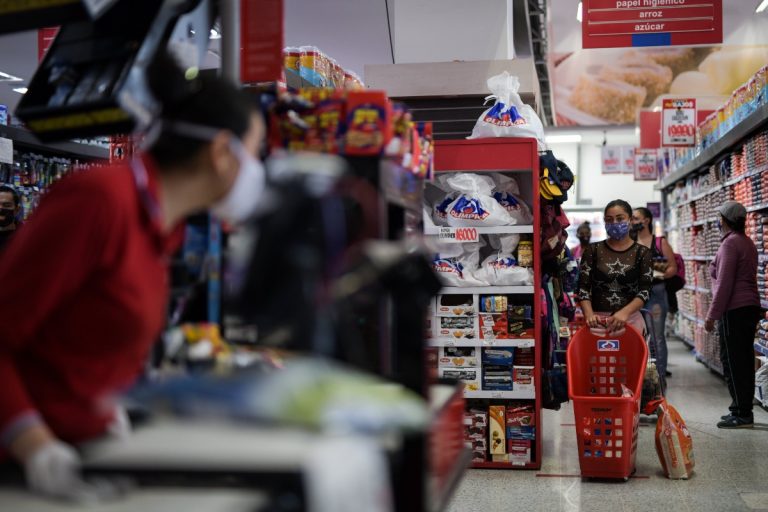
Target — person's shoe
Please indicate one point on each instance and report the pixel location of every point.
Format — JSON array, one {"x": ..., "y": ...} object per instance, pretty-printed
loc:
[
  {"x": 729, "y": 415},
  {"x": 736, "y": 422},
  {"x": 667, "y": 373}
]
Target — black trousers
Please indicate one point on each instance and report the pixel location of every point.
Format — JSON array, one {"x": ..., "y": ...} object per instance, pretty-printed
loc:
[{"x": 737, "y": 352}]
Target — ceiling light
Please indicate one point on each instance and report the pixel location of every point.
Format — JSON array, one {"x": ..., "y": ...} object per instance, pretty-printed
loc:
[
  {"x": 5, "y": 77},
  {"x": 562, "y": 139},
  {"x": 579, "y": 11},
  {"x": 763, "y": 6},
  {"x": 21, "y": 90}
]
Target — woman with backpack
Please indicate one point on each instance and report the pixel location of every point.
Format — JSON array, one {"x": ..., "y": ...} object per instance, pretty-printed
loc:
[
  {"x": 664, "y": 267},
  {"x": 615, "y": 275}
]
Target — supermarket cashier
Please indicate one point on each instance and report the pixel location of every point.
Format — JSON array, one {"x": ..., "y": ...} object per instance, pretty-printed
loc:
[
  {"x": 615, "y": 275},
  {"x": 85, "y": 282}
]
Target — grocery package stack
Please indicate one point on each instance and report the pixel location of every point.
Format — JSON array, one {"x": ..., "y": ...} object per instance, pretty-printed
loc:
[
  {"x": 501, "y": 433},
  {"x": 762, "y": 334},
  {"x": 318, "y": 69}
]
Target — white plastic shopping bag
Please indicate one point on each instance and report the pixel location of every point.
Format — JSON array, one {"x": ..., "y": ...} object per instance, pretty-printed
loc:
[
  {"x": 509, "y": 116},
  {"x": 501, "y": 268},
  {"x": 458, "y": 264},
  {"x": 507, "y": 193},
  {"x": 475, "y": 206}
]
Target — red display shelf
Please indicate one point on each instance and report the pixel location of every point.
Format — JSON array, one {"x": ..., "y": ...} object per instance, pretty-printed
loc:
[
  {"x": 518, "y": 155},
  {"x": 502, "y": 154}
]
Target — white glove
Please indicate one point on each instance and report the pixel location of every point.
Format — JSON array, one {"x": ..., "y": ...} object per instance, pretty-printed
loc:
[{"x": 54, "y": 470}]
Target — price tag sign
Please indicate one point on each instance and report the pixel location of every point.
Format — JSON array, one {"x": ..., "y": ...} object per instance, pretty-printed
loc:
[
  {"x": 457, "y": 235},
  {"x": 645, "y": 165},
  {"x": 678, "y": 122},
  {"x": 497, "y": 394}
]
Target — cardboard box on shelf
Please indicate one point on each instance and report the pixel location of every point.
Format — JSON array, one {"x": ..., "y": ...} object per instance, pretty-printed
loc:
[
  {"x": 476, "y": 418},
  {"x": 456, "y": 328},
  {"x": 519, "y": 451},
  {"x": 499, "y": 356},
  {"x": 493, "y": 303},
  {"x": 494, "y": 326},
  {"x": 458, "y": 357},
  {"x": 497, "y": 434},
  {"x": 469, "y": 376},
  {"x": 521, "y": 433},
  {"x": 521, "y": 416},
  {"x": 525, "y": 357},
  {"x": 455, "y": 305},
  {"x": 522, "y": 378}
]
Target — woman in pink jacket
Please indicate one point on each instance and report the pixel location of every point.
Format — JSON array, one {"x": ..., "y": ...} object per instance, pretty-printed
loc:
[{"x": 736, "y": 304}]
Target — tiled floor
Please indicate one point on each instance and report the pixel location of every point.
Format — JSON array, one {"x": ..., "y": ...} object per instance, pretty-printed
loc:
[{"x": 731, "y": 471}]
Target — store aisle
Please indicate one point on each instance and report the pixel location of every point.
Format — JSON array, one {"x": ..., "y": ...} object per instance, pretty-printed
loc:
[{"x": 730, "y": 464}]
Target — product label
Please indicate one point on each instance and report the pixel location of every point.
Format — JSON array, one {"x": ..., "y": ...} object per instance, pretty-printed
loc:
[
  {"x": 608, "y": 345},
  {"x": 678, "y": 122},
  {"x": 469, "y": 209},
  {"x": 457, "y": 235},
  {"x": 500, "y": 116}
]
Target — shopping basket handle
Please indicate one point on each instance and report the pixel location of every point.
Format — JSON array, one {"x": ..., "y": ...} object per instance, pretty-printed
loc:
[{"x": 602, "y": 331}]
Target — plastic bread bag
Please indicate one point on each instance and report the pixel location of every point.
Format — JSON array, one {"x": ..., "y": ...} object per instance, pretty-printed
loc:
[
  {"x": 674, "y": 444},
  {"x": 507, "y": 194},
  {"x": 457, "y": 264},
  {"x": 501, "y": 268},
  {"x": 439, "y": 212},
  {"x": 475, "y": 205},
  {"x": 509, "y": 116}
]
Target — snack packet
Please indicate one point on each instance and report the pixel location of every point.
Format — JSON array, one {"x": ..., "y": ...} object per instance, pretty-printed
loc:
[{"x": 673, "y": 441}]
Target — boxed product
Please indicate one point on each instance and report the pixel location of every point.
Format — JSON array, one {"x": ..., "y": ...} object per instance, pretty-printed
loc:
[
  {"x": 494, "y": 326},
  {"x": 524, "y": 356},
  {"x": 458, "y": 356},
  {"x": 429, "y": 327},
  {"x": 519, "y": 451},
  {"x": 493, "y": 303},
  {"x": 476, "y": 418},
  {"x": 521, "y": 416},
  {"x": 455, "y": 305},
  {"x": 499, "y": 357},
  {"x": 456, "y": 328},
  {"x": 528, "y": 433},
  {"x": 469, "y": 376},
  {"x": 522, "y": 379},
  {"x": 497, "y": 438},
  {"x": 520, "y": 319}
]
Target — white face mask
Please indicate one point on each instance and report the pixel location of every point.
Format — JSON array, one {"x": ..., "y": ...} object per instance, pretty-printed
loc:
[{"x": 242, "y": 200}]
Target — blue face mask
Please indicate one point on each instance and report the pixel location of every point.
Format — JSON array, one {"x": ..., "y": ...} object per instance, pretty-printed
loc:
[
  {"x": 718, "y": 225},
  {"x": 617, "y": 230}
]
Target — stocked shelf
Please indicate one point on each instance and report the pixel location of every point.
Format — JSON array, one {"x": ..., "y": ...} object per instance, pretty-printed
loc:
[
  {"x": 709, "y": 365},
  {"x": 26, "y": 139},
  {"x": 730, "y": 182},
  {"x": 692, "y": 318},
  {"x": 496, "y": 230},
  {"x": 725, "y": 144},
  {"x": 488, "y": 290},
  {"x": 696, "y": 289},
  {"x": 520, "y": 343},
  {"x": 761, "y": 349},
  {"x": 528, "y": 394},
  {"x": 698, "y": 258},
  {"x": 764, "y": 304},
  {"x": 685, "y": 340}
]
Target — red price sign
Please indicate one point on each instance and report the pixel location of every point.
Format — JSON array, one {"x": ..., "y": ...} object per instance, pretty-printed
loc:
[
  {"x": 458, "y": 235},
  {"x": 645, "y": 165},
  {"x": 678, "y": 122}
]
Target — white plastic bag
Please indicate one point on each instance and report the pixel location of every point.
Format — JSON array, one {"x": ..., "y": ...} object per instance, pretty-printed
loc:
[
  {"x": 475, "y": 205},
  {"x": 501, "y": 268},
  {"x": 440, "y": 207},
  {"x": 457, "y": 264},
  {"x": 507, "y": 194},
  {"x": 509, "y": 116}
]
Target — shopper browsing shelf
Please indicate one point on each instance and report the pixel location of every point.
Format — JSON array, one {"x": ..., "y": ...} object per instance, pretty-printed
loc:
[
  {"x": 584, "y": 234},
  {"x": 664, "y": 267},
  {"x": 85, "y": 283},
  {"x": 10, "y": 206},
  {"x": 736, "y": 304},
  {"x": 615, "y": 275}
]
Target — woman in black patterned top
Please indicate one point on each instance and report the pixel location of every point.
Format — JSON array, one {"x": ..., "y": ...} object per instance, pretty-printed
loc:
[{"x": 615, "y": 275}]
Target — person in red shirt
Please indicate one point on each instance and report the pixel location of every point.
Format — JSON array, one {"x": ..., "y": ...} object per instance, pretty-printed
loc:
[{"x": 85, "y": 283}]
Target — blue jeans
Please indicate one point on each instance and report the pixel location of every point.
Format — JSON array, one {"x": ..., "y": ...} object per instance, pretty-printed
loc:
[{"x": 658, "y": 305}]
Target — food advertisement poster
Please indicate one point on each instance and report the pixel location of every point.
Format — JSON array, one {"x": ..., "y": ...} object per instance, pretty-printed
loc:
[
  {"x": 612, "y": 159},
  {"x": 597, "y": 87},
  {"x": 628, "y": 160},
  {"x": 645, "y": 165}
]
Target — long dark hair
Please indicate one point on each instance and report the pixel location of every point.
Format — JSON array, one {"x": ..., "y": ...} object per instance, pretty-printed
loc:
[
  {"x": 205, "y": 100},
  {"x": 621, "y": 204}
]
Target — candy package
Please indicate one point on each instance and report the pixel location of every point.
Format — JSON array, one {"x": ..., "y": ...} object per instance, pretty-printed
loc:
[
  {"x": 475, "y": 205},
  {"x": 509, "y": 116}
]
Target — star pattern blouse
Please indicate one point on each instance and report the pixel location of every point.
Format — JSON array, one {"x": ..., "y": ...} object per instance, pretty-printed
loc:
[{"x": 611, "y": 279}]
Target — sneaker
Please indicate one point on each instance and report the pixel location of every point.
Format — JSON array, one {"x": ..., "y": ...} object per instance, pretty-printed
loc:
[
  {"x": 667, "y": 373},
  {"x": 736, "y": 422},
  {"x": 729, "y": 415}
]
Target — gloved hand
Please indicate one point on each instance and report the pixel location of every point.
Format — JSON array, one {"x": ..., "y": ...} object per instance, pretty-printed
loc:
[{"x": 54, "y": 470}]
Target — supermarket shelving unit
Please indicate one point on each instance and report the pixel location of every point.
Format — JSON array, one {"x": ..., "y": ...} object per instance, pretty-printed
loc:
[
  {"x": 679, "y": 195},
  {"x": 518, "y": 156}
]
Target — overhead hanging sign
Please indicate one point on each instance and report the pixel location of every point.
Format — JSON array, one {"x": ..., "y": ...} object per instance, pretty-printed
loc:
[
  {"x": 628, "y": 160},
  {"x": 645, "y": 165},
  {"x": 625, "y": 23},
  {"x": 261, "y": 40},
  {"x": 678, "y": 122}
]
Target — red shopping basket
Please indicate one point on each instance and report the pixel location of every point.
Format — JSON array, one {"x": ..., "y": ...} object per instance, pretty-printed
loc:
[{"x": 606, "y": 421}]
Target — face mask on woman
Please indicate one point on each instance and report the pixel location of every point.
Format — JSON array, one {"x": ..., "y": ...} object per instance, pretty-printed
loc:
[
  {"x": 617, "y": 230},
  {"x": 637, "y": 227},
  {"x": 243, "y": 198}
]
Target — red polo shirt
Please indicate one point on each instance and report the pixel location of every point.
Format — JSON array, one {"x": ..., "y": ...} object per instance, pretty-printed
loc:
[{"x": 83, "y": 296}]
